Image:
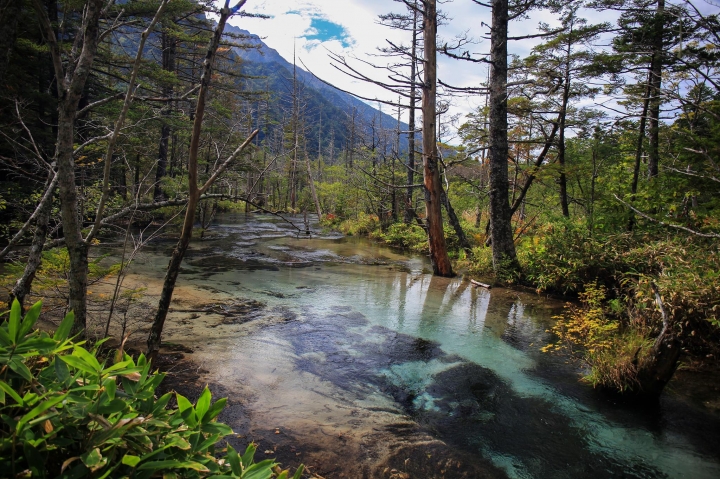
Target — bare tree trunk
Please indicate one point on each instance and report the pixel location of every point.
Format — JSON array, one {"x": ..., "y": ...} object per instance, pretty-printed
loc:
[
  {"x": 455, "y": 223},
  {"x": 409, "y": 200},
  {"x": 312, "y": 186},
  {"x": 23, "y": 285},
  {"x": 561, "y": 135},
  {"x": 168, "y": 63},
  {"x": 638, "y": 152},
  {"x": 194, "y": 193},
  {"x": 70, "y": 81},
  {"x": 9, "y": 16},
  {"x": 653, "y": 377},
  {"x": 655, "y": 90},
  {"x": 431, "y": 172},
  {"x": 504, "y": 256},
  {"x": 533, "y": 173},
  {"x": 70, "y": 85}
]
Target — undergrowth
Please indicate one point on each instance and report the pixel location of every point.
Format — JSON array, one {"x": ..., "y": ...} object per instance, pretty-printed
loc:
[{"x": 66, "y": 412}]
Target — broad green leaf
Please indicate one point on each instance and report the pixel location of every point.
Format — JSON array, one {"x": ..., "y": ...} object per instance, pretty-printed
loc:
[
  {"x": 171, "y": 464},
  {"x": 30, "y": 318},
  {"x": 110, "y": 387},
  {"x": 14, "y": 321},
  {"x": 261, "y": 470},
  {"x": 203, "y": 404},
  {"x": 78, "y": 363},
  {"x": 128, "y": 365},
  {"x": 131, "y": 461},
  {"x": 19, "y": 367},
  {"x": 93, "y": 459},
  {"x": 11, "y": 392},
  {"x": 5, "y": 339},
  {"x": 116, "y": 405},
  {"x": 207, "y": 443},
  {"x": 299, "y": 471},
  {"x": 39, "y": 409},
  {"x": 61, "y": 371},
  {"x": 87, "y": 357},
  {"x": 215, "y": 409},
  {"x": 63, "y": 331},
  {"x": 180, "y": 443},
  {"x": 247, "y": 458},
  {"x": 216, "y": 428},
  {"x": 161, "y": 403},
  {"x": 186, "y": 410},
  {"x": 234, "y": 459}
]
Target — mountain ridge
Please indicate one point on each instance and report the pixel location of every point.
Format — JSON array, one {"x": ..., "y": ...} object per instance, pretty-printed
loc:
[{"x": 333, "y": 107}]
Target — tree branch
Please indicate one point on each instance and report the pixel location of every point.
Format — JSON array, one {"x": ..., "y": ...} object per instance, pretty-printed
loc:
[{"x": 669, "y": 225}]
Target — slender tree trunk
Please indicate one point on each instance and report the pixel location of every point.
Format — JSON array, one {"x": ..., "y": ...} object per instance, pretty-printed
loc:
[
  {"x": 168, "y": 64},
  {"x": 351, "y": 149},
  {"x": 431, "y": 172},
  {"x": 561, "y": 135},
  {"x": 71, "y": 84},
  {"x": 312, "y": 187},
  {"x": 455, "y": 223},
  {"x": 533, "y": 173},
  {"x": 161, "y": 170},
  {"x": 655, "y": 91},
  {"x": 653, "y": 377},
  {"x": 9, "y": 16},
  {"x": 409, "y": 200},
  {"x": 504, "y": 256},
  {"x": 194, "y": 192},
  {"x": 638, "y": 152},
  {"x": 296, "y": 137},
  {"x": 23, "y": 285}
]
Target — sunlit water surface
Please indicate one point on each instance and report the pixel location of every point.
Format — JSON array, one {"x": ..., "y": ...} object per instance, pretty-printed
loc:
[{"x": 357, "y": 355}]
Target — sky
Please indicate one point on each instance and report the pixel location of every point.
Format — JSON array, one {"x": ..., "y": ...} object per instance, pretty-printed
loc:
[{"x": 350, "y": 28}]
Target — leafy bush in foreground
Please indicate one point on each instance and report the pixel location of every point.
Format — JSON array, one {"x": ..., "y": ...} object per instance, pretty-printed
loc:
[
  {"x": 614, "y": 354},
  {"x": 66, "y": 414}
]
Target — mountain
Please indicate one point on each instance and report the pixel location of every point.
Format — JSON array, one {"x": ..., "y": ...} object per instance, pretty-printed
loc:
[{"x": 328, "y": 111}]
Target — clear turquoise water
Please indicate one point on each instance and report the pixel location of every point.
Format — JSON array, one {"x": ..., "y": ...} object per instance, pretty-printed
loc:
[{"x": 363, "y": 326}]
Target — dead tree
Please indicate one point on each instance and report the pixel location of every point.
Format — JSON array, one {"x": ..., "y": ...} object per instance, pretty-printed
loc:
[{"x": 194, "y": 191}]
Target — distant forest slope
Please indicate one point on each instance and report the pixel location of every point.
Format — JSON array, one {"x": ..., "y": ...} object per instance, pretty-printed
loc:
[{"x": 327, "y": 113}]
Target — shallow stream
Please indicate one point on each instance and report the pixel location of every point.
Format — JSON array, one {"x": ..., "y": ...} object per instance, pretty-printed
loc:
[{"x": 351, "y": 358}]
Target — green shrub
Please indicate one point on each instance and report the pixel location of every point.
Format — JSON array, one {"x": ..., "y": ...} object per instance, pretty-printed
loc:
[
  {"x": 232, "y": 206},
  {"x": 65, "y": 413},
  {"x": 411, "y": 237},
  {"x": 615, "y": 353},
  {"x": 363, "y": 225}
]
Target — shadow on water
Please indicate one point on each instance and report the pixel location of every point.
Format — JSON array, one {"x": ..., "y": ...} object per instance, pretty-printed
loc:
[{"x": 350, "y": 358}]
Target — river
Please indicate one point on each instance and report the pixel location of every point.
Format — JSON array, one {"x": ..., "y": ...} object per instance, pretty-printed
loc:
[{"x": 348, "y": 356}]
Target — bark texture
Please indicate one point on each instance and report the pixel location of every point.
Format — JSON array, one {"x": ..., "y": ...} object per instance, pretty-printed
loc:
[
  {"x": 168, "y": 63},
  {"x": 409, "y": 200},
  {"x": 9, "y": 16},
  {"x": 455, "y": 223},
  {"x": 504, "y": 256},
  {"x": 655, "y": 91},
  {"x": 42, "y": 220},
  {"x": 71, "y": 83},
  {"x": 433, "y": 187},
  {"x": 194, "y": 192},
  {"x": 653, "y": 377}
]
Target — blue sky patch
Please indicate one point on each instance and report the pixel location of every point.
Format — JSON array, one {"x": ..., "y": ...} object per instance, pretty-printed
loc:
[{"x": 324, "y": 30}]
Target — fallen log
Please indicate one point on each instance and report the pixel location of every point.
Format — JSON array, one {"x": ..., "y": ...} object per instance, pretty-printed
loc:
[{"x": 478, "y": 283}]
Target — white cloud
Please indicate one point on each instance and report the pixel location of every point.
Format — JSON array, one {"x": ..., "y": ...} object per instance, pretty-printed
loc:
[{"x": 291, "y": 21}]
